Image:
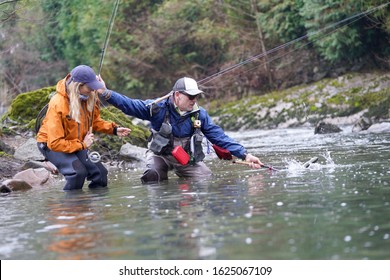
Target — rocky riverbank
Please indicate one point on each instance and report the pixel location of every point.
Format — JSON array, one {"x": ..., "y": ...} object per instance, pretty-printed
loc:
[{"x": 359, "y": 99}]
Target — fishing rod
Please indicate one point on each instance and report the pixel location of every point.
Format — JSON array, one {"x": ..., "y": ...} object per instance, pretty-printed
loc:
[
  {"x": 250, "y": 163},
  {"x": 255, "y": 57},
  {"x": 305, "y": 165},
  {"x": 105, "y": 45},
  {"x": 227, "y": 155}
]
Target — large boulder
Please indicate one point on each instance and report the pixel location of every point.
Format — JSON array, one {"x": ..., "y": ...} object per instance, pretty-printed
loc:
[
  {"x": 132, "y": 152},
  {"x": 29, "y": 151},
  {"x": 9, "y": 166},
  {"x": 40, "y": 164},
  {"x": 4, "y": 147},
  {"x": 379, "y": 127},
  {"x": 27, "y": 179},
  {"x": 35, "y": 177}
]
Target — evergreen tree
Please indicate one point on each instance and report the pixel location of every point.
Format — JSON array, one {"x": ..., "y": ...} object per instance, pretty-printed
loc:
[{"x": 337, "y": 38}]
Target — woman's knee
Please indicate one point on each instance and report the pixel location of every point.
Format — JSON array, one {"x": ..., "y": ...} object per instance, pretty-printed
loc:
[
  {"x": 79, "y": 169},
  {"x": 75, "y": 175}
]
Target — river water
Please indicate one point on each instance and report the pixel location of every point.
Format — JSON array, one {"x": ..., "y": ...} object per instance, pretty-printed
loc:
[{"x": 337, "y": 208}]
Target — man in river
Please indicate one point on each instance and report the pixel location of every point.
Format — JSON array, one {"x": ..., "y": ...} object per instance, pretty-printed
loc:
[{"x": 178, "y": 124}]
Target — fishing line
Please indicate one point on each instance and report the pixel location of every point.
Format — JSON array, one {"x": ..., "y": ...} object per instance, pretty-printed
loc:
[
  {"x": 105, "y": 45},
  {"x": 300, "y": 47},
  {"x": 108, "y": 34},
  {"x": 95, "y": 156},
  {"x": 255, "y": 57}
]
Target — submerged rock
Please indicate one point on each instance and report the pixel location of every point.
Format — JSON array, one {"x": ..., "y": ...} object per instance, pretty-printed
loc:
[
  {"x": 325, "y": 128},
  {"x": 363, "y": 124},
  {"x": 10, "y": 185}
]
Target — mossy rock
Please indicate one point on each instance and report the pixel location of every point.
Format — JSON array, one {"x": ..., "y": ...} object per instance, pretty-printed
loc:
[
  {"x": 26, "y": 106},
  {"x": 381, "y": 109},
  {"x": 138, "y": 135}
]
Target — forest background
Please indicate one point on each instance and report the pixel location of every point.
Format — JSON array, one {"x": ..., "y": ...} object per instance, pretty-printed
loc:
[{"x": 256, "y": 46}]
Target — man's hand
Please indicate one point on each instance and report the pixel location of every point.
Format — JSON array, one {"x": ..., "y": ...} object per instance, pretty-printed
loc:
[{"x": 255, "y": 161}]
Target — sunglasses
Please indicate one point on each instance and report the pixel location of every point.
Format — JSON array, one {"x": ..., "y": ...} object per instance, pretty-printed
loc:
[{"x": 190, "y": 97}]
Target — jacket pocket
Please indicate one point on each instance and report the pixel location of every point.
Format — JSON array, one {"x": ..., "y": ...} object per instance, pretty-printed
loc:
[{"x": 71, "y": 128}]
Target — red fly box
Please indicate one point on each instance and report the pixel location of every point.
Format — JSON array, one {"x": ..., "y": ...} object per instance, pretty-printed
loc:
[{"x": 180, "y": 155}]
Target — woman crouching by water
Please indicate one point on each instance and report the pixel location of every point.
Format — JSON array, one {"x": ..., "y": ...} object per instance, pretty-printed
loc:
[{"x": 66, "y": 131}]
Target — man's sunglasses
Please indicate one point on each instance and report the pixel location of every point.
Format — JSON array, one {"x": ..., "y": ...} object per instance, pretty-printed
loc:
[{"x": 190, "y": 97}]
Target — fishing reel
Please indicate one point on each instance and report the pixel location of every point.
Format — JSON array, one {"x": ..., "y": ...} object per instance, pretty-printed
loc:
[{"x": 94, "y": 156}]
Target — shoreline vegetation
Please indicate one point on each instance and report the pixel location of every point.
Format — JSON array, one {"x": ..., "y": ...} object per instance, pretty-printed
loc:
[{"x": 358, "y": 99}]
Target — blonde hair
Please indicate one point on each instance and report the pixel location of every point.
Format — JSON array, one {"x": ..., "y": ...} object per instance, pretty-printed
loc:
[{"x": 75, "y": 102}]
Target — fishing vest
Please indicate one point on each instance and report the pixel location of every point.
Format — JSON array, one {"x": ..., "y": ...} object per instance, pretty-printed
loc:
[{"x": 162, "y": 142}]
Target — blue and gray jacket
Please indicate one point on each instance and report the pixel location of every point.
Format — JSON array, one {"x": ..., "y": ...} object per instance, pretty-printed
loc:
[{"x": 182, "y": 125}]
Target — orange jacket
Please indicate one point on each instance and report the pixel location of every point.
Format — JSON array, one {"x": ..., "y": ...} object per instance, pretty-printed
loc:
[{"x": 63, "y": 134}]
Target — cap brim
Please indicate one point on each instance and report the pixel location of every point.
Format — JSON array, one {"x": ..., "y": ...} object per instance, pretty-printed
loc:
[
  {"x": 193, "y": 92},
  {"x": 95, "y": 85}
]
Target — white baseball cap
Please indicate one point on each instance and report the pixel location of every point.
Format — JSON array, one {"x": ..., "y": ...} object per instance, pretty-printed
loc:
[{"x": 187, "y": 85}]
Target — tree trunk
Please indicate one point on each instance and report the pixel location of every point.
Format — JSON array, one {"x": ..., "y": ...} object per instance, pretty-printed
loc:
[{"x": 262, "y": 44}]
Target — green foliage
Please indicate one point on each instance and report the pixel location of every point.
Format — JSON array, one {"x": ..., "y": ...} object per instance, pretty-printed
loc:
[
  {"x": 281, "y": 20},
  {"x": 339, "y": 40},
  {"x": 170, "y": 40},
  {"x": 154, "y": 42},
  {"x": 77, "y": 31}
]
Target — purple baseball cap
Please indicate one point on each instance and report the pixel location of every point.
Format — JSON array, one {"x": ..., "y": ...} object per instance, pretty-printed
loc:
[{"x": 85, "y": 74}]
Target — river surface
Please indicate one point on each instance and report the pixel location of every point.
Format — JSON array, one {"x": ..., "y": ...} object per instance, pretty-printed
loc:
[{"x": 337, "y": 208}]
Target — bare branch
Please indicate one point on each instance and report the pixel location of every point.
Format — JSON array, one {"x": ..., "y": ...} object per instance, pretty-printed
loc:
[{"x": 8, "y": 2}]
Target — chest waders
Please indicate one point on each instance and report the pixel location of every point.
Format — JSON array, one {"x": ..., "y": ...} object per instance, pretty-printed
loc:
[{"x": 162, "y": 145}]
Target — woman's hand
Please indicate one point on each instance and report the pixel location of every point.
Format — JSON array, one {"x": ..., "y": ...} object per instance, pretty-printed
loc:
[
  {"x": 88, "y": 139},
  {"x": 123, "y": 131}
]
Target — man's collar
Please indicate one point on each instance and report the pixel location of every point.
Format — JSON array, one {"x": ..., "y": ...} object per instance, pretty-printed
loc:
[{"x": 184, "y": 113}]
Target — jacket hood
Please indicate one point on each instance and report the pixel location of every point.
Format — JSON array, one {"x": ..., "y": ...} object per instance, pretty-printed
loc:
[{"x": 61, "y": 86}]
